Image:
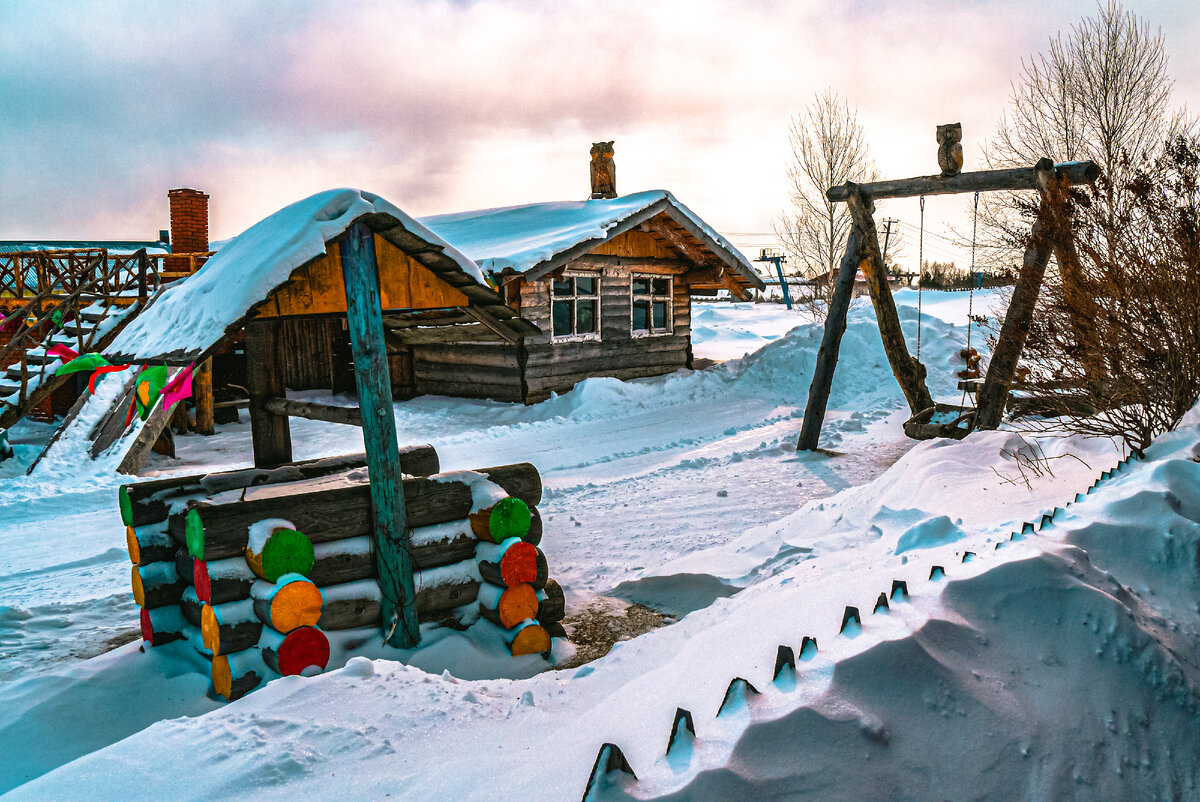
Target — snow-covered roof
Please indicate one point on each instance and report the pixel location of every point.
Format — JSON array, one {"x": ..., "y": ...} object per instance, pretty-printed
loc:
[
  {"x": 539, "y": 237},
  {"x": 194, "y": 314}
]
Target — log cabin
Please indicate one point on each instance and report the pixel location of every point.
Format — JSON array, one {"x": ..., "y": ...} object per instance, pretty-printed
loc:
[{"x": 608, "y": 282}]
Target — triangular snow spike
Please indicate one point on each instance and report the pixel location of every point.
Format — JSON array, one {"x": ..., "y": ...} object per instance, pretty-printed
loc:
[
  {"x": 936, "y": 572},
  {"x": 682, "y": 724},
  {"x": 784, "y": 658},
  {"x": 1001, "y": 543},
  {"x": 737, "y": 687},
  {"x": 1046, "y": 521},
  {"x": 1027, "y": 528},
  {"x": 850, "y": 614},
  {"x": 808, "y": 648},
  {"x": 1106, "y": 475},
  {"x": 968, "y": 556},
  {"x": 901, "y": 587},
  {"x": 609, "y": 760},
  {"x": 881, "y": 602},
  {"x": 1080, "y": 497}
]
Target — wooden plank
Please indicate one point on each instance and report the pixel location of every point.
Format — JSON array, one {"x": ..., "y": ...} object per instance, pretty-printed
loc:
[
  {"x": 202, "y": 396},
  {"x": 909, "y": 372},
  {"x": 606, "y": 365},
  {"x": 430, "y": 335},
  {"x": 508, "y": 393},
  {"x": 1074, "y": 173},
  {"x": 350, "y": 416},
  {"x": 570, "y": 351},
  {"x": 135, "y": 458},
  {"x": 390, "y": 534},
  {"x": 1048, "y": 227},
  {"x": 501, "y": 356},
  {"x": 270, "y": 434},
  {"x": 636, "y": 243},
  {"x": 498, "y": 328},
  {"x": 831, "y": 343},
  {"x": 464, "y": 374}
]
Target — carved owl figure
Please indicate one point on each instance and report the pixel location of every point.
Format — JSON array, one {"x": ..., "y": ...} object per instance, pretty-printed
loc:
[
  {"x": 604, "y": 170},
  {"x": 950, "y": 153}
]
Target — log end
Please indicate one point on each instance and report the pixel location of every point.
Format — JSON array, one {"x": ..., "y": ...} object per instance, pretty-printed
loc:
[
  {"x": 517, "y": 604},
  {"x": 194, "y": 534},
  {"x": 286, "y": 552},
  {"x": 294, "y": 605},
  {"x": 131, "y": 543},
  {"x": 139, "y": 590},
  {"x": 532, "y": 639},
  {"x": 201, "y": 580},
  {"x": 302, "y": 651},
  {"x": 519, "y": 565},
  {"x": 125, "y": 504}
]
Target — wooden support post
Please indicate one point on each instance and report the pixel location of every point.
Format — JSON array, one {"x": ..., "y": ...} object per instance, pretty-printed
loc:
[
  {"x": 909, "y": 372},
  {"x": 831, "y": 342},
  {"x": 143, "y": 263},
  {"x": 270, "y": 434},
  {"x": 1015, "y": 329},
  {"x": 202, "y": 396},
  {"x": 393, "y": 544}
]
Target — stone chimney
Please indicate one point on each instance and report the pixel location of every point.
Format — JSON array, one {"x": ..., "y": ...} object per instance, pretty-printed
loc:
[
  {"x": 189, "y": 220},
  {"x": 604, "y": 171}
]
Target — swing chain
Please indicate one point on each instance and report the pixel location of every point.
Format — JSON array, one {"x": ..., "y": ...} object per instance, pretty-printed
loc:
[{"x": 920, "y": 274}]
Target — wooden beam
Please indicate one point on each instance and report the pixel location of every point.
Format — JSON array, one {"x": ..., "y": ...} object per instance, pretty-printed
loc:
[
  {"x": 909, "y": 372},
  {"x": 982, "y": 181},
  {"x": 494, "y": 325},
  {"x": 350, "y": 416},
  {"x": 1047, "y": 228},
  {"x": 390, "y": 534},
  {"x": 831, "y": 343},
  {"x": 270, "y": 434},
  {"x": 657, "y": 228},
  {"x": 202, "y": 395}
]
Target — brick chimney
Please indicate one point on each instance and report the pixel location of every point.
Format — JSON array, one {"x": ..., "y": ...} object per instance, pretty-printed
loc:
[{"x": 189, "y": 220}]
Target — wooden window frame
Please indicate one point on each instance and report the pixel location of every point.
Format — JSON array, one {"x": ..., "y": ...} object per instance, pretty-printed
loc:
[
  {"x": 652, "y": 297},
  {"x": 587, "y": 336}
]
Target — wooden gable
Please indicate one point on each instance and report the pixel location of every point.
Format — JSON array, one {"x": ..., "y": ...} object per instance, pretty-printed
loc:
[{"x": 317, "y": 288}]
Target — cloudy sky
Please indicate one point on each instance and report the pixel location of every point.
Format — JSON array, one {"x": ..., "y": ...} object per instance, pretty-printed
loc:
[{"x": 446, "y": 106}]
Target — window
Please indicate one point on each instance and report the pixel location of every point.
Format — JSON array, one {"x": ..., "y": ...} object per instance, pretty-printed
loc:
[
  {"x": 651, "y": 297},
  {"x": 575, "y": 306}
]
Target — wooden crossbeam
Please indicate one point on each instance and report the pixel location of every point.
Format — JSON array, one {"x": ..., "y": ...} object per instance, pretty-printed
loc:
[{"x": 981, "y": 181}]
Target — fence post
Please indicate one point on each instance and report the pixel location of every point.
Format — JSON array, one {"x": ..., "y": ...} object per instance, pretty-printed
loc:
[{"x": 142, "y": 289}]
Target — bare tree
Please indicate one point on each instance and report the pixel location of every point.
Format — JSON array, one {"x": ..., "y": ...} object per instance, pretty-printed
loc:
[
  {"x": 1140, "y": 268},
  {"x": 829, "y": 148},
  {"x": 1100, "y": 93}
]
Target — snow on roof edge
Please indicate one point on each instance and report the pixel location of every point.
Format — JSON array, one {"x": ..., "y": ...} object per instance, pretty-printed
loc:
[{"x": 191, "y": 315}]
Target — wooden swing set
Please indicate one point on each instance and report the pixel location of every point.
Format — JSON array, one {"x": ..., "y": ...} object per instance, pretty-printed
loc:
[{"x": 1051, "y": 236}]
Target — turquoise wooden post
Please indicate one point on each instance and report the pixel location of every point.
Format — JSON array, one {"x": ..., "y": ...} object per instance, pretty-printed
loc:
[{"x": 391, "y": 538}]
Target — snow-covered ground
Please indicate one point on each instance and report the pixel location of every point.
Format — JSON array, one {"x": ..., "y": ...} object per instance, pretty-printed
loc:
[{"x": 1062, "y": 665}]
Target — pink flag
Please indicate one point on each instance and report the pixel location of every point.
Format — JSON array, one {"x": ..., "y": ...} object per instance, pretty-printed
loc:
[
  {"x": 62, "y": 352},
  {"x": 178, "y": 388}
]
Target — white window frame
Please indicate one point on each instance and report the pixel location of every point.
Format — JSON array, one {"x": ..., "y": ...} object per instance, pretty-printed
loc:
[
  {"x": 652, "y": 297},
  {"x": 575, "y": 337}
]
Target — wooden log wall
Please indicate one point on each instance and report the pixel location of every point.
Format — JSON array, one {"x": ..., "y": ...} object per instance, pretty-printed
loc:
[
  {"x": 262, "y": 608},
  {"x": 538, "y": 366}
]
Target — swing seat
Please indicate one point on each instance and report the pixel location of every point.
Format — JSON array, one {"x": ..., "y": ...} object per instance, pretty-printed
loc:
[{"x": 941, "y": 420}]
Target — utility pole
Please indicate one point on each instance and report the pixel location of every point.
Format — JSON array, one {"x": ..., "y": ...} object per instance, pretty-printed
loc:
[
  {"x": 888, "y": 222},
  {"x": 774, "y": 256}
]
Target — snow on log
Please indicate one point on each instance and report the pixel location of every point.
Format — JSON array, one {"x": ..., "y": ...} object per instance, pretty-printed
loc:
[
  {"x": 149, "y": 544},
  {"x": 508, "y": 607},
  {"x": 191, "y": 607},
  {"x": 230, "y": 627},
  {"x": 235, "y": 675},
  {"x": 340, "y": 507},
  {"x": 512, "y": 562},
  {"x": 150, "y": 502},
  {"x": 220, "y": 581},
  {"x": 529, "y": 637},
  {"x": 274, "y": 548},
  {"x": 552, "y": 603},
  {"x": 507, "y": 518},
  {"x": 439, "y": 590},
  {"x": 156, "y": 585},
  {"x": 301, "y": 651},
  {"x": 291, "y": 603},
  {"x": 163, "y": 625}
]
